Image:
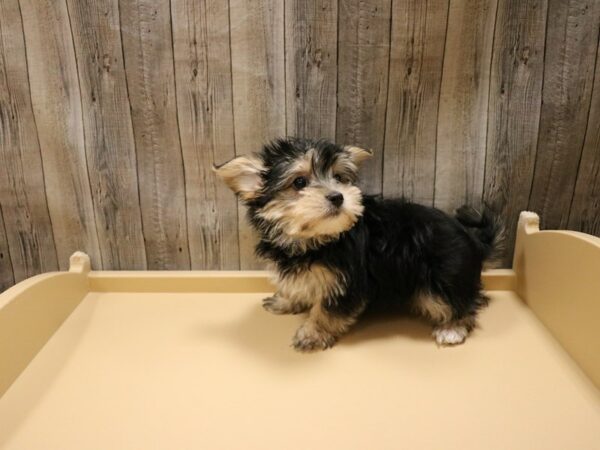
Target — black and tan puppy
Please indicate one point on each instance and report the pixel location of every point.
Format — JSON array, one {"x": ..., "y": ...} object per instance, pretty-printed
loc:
[{"x": 334, "y": 251}]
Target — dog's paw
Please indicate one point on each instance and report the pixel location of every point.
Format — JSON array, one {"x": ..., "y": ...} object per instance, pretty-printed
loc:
[
  {"x": 450, "y": 335},
  {"x": 278, "y": 305},
  {"x": 309, "y": 338}
]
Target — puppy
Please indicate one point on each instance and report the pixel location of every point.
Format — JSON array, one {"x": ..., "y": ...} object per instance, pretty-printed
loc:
[{"x": 335, "y": 251}]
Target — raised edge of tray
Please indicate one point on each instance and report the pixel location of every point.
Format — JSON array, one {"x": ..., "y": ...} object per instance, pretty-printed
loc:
[{"x": 227, "y": 281}]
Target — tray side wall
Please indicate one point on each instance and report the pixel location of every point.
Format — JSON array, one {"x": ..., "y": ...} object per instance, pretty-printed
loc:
[
  {"x": 558, "y": 276},
  {"x": 30, "y": 313},
  {"x": 246, "y": 281}
]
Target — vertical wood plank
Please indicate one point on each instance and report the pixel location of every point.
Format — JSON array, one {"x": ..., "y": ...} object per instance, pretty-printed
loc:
[
  {"x": 7, "y": 278},
  {"x": 514, "y": 109},
  {"x": 462, "y": 116},
  {"x": 108, "y": 132},
  {"x": 362, "y": 73},
  {"x": 204, "y": 102},
  {"x": 56, "y": 102},
  {"x": 416, "y": 56},
  {"x": 311, "y": 72},
  {"x": 585, "y": 208},
  {"x": 571, "y": 45},
  {"x": 257, "y": 61},
  {"x": 27, "y": 227},
  {"x": 148, "y": 52}
]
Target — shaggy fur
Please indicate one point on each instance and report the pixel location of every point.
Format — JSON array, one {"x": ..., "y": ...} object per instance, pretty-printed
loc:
[{"x": 335, "y": 251}]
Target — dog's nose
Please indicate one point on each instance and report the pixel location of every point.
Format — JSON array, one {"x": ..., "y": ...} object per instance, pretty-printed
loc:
[{"x": 336, "y": 198}]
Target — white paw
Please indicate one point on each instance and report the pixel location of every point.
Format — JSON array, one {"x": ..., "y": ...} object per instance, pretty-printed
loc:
[{"x": 450, "y": 335}]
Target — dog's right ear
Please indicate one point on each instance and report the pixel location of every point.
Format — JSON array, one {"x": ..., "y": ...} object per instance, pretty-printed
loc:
[{"x": 243, "y": 175}]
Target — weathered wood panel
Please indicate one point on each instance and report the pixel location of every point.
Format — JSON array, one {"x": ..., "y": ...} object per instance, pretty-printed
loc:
[
  {"x": 148, "y": 52},
  {"x": 464, "y": 92},
  {"x": 311, "y": 72},
  {"x": 27, "y": 227},
  {"x": 257, "y": 58},
  {"x": 363, "y": 59},
  {"x": 112, "y": 113},
  {"x": 56, "y": 105},
  {"x": 7, "y": 278},
  {"x": 417, "y": 53},
  {"x": 108, "y": 132},
  {"x": 571, "y": 44},
  {"x": 204, "y": 101},
  {"x": 514, "y": 109},
  {"x": 585, "y": 207}
]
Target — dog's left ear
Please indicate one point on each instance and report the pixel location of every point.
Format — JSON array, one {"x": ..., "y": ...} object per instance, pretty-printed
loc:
[
  {"x": 357, "y": 154},
  {"x": 243, "y": 175}
]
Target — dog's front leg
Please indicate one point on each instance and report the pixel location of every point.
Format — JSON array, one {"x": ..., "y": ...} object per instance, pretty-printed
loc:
[
  {"x": 278, "y": 304},
  {"x": 321, "y": 329}
]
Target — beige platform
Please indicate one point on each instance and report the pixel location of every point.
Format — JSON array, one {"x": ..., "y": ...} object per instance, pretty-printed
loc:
[{"x": 178, "y": 360}]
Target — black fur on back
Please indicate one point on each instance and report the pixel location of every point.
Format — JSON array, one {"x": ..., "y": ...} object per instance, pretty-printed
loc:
[{"x": 486, "y": 227}]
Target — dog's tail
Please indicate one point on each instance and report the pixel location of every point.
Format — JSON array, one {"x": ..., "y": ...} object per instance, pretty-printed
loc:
[{"x": 489, "y": 231}]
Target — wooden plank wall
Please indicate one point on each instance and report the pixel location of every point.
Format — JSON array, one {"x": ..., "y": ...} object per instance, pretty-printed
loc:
[
  {"x": 259, "y": 104},
  {"x": 113, "y": 111}
]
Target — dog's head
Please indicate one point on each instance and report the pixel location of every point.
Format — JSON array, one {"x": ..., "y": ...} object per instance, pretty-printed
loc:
[{"x": 299, "y": 189}]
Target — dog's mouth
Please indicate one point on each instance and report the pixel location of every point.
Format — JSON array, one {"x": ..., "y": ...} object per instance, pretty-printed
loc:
[{"x": 333, "y": 211}]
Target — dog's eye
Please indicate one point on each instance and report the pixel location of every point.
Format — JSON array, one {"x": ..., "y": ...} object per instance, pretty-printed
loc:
[
  {"x": 300, "y": 183},
  {"x": 340, "y": 178}
]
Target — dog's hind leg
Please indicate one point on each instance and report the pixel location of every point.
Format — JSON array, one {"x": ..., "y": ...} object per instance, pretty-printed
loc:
[
  {"x": 448, "y": 329},
  {"x": 454, "y": 332}
]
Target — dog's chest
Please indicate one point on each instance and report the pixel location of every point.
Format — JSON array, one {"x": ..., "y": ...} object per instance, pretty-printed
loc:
[{"x": 310, "y": 285}]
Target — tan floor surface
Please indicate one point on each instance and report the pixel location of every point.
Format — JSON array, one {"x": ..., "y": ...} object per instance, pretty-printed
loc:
[{"x": 214, "y": 371}]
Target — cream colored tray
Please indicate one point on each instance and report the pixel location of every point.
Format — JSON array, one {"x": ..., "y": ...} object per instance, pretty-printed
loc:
[{"x": 189, "y": 360}]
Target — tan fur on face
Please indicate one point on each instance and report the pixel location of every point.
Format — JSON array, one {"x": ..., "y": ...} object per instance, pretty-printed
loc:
[
  {"x": 345, "y": 167},
  {"x": 300, "y": 167},
  {"x": 308, "y": 214}
]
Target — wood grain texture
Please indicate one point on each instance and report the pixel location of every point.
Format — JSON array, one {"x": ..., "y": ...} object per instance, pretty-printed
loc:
[
  {"x": 462, "y": 119},
  {"x": 585, "y": 207},
  {"x": 108, "y": 132},
  {"x": 416, "y": 56},
  {"x": 7, "y": 278},
  {"x": 56, "y": 102},
  {"x": 148, "y": 51},
  {"x": 27, "y": 228},
  {"x": 112, "y": 113},
  {"x": 363, "y": 59},
  {"x": 311, "y": 73},
  {"x": 258, "y": 70},
  {"x": 514, "y": 109},
  {"x": 571, "y": 45},
  {"x": 204, "y": 101}
]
